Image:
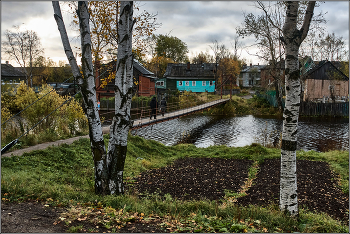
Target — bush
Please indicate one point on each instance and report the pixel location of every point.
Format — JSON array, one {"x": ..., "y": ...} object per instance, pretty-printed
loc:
[{"x": 68, "y": 120}]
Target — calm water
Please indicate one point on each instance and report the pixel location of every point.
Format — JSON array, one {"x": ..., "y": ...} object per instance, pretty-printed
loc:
[{"x": 205, "y": 131}]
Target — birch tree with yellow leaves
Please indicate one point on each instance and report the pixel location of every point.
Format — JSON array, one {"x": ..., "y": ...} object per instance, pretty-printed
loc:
[
  {"x": 109, "y": 165},
  {"x": 103, "y": 27}
]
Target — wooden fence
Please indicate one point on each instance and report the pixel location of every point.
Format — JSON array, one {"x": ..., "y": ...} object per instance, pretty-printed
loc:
[
  {"x": 324, "y": 109},
  {"x": 340, "y": 109}
]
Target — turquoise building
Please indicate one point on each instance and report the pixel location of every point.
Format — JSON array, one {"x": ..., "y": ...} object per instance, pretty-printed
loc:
[
  {"x": 190, "y": 77},
  {"x": 196, "y": 85}
]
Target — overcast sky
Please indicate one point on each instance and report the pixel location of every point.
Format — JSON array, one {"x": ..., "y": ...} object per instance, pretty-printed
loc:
[{"x": 197, "y": 23}]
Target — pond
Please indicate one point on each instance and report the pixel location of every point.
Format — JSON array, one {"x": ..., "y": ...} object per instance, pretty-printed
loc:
[{"x": 204, "y": 131}]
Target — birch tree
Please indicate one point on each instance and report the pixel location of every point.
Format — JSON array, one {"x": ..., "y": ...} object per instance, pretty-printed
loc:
[
  {"x": 123, "y": 94},
  {"x": 292, "y": 38},
  {"x": 108, "y": 165}
]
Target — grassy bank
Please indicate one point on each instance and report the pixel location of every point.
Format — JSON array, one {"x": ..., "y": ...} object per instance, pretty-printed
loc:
[
  {"x": 63, "y": 176},
  {"x": 240, "y": 106}
]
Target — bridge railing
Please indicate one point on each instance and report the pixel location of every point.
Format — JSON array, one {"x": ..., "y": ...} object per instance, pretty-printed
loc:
[{"x": 140, "y": 110}]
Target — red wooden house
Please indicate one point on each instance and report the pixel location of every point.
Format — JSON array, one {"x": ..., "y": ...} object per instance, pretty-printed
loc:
[{"x": 144, "y": 80}]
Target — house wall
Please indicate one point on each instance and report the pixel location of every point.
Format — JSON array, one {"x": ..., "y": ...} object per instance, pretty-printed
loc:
[
  {"x": 146, "y": 86},
  {"x": 267, "y": 79},
  {"x": 158, "y": 86},
  {"x": 316, "y": 88},
  {"x": 244, "y": 80},
  {"x": 198, "y": 87},
  {"x": 171, "y": 84}
]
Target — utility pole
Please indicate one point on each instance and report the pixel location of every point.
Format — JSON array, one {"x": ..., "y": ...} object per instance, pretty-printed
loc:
[
  {"x": 231, "y": 80},
  {"x": 221, "y": 84}
]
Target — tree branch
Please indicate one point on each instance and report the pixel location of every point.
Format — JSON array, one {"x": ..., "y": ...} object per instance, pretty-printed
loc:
[{"x": 307, "y": 20}]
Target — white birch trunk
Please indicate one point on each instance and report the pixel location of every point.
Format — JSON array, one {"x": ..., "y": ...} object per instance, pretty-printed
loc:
[
  {"x": 88, "y": 90},
  {"x": 292, "y": 37},
  {"x": 117, "y": 146}
]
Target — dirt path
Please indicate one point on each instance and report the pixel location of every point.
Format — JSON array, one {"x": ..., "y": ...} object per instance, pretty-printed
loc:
[
  {"x": 29, "y": 217},
  {"x": 45, "y": 145}
]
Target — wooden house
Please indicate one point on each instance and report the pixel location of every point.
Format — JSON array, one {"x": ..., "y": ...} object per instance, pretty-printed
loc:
[
  {"x": 267, "y": 74},
  {"x": 144, "y": 80},
  {"x": 250, "y": 76},
  {"x": 189, "y": 77},
  {"x": 10, "y": 74},
  {"x": 325, "y": 82}
]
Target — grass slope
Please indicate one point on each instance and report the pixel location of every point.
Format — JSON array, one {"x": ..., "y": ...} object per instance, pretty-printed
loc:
[{"x": 63, "y": 176}]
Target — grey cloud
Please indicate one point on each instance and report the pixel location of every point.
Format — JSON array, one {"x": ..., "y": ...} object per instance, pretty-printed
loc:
[{"x": 16, "y": 13}]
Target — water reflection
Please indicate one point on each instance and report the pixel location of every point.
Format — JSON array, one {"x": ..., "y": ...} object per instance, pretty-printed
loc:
[{"x": 205, "y": 131}]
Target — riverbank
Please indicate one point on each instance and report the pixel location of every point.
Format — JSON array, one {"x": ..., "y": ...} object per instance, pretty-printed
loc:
[
  {"x": 245, "y": 105},
  {"x": 63, "y": 177}
]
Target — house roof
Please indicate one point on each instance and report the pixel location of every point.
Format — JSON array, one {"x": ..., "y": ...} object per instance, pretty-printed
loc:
[
  {"x": 180, "y": 70},
  {"x": 189, "y": 78},
  {"x": 7, "y": 70},
  {"x": 249, "y": 68},
  {"x": 321, "y": 66},
  {"x": 279, "y": 64},
  {"x": 138, "y": 66}
]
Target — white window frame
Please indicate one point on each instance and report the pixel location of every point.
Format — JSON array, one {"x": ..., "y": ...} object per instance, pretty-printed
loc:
[
  {"x": 187, "y": 83},
  {"x": 211, "y": 83},
  {"x": 193, "y": 83},
  {"x": 204, "y": 83},
  {"x": 180, "y": 83}
]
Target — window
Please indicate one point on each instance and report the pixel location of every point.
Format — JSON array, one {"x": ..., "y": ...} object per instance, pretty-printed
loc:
[
  {"x": 180, "y": 83},
  {"x": 211, "y": 83},
  {"x": 204, "y": 83},
  {"x": 187, "y": 83},
  {"x": 160, "y": 83},
  {"x": 193, "y": 83}
]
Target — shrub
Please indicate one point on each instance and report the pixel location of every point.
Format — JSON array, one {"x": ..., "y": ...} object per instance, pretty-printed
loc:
[{"x": 67, "y": 120}]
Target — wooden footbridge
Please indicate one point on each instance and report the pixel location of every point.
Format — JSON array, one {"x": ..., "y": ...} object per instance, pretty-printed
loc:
[
  {"x": 143, "y": 120},
  {"x": 146, "y": 121}
]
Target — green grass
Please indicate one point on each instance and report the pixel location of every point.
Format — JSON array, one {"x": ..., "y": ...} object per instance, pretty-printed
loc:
[
  {"x": 239, "y": 106},
  {"x": 64, "y": 176}
]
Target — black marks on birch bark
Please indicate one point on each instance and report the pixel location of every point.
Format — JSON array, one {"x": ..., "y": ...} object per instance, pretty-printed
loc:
[
  {"x": 289, "y": 145},
  {"x": 98, "y": 150},
  {"x": 116, "y": 168},
  {"x": 287, "y": 112},
  {"x": 125, "y": 38},
  {"x": 295, "y": 75}
]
